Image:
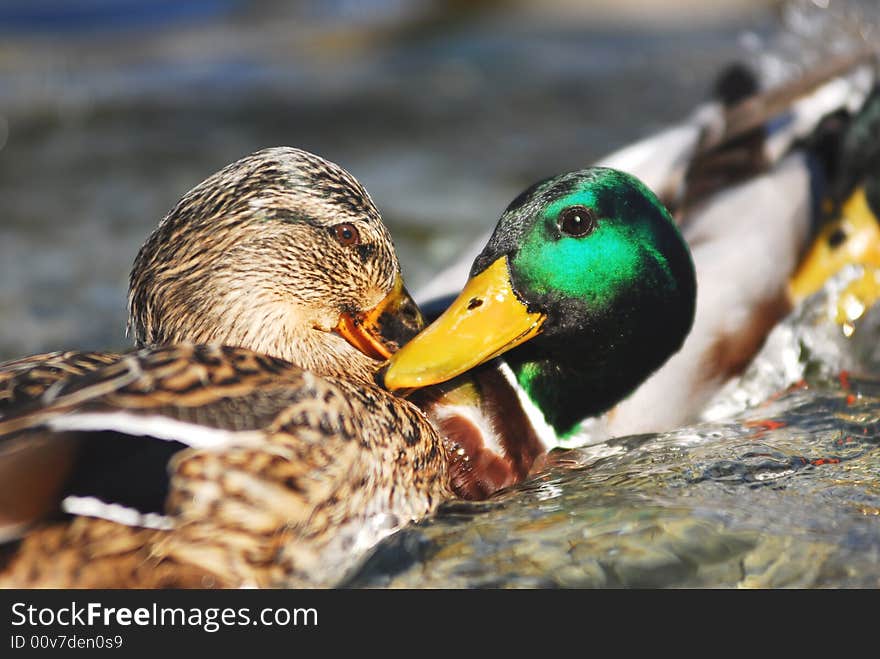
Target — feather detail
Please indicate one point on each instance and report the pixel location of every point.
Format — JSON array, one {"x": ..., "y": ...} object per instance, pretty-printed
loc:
[{"x": 311, "y": 470}]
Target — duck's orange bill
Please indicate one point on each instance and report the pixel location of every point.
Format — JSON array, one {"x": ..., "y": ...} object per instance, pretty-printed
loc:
[
  {"x": 379, "y": 332},
  {"x": 485, "y": 320}
]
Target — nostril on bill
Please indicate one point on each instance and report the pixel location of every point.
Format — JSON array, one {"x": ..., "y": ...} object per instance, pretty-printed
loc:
[{"x": 474, "y": 303}]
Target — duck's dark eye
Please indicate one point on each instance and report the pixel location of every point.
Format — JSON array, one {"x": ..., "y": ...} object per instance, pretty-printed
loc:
[
  {"x": 836, "y": 238},
  {"x": 577, "y": 221},
  {"x": 347, "y": 234}
]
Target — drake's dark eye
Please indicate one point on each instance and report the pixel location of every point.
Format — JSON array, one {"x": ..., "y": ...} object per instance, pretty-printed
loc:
[
  {"x": 347, "y": 234},
  {"x": 836, "y": 238},
  {"x": 576, "y": 221}
]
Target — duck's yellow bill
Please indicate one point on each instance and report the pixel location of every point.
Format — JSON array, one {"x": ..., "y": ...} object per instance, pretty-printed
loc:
[
  {"x": 854, "y": 238},
  {"x": 380, "y": 331},
  {"x": 485, "y": 320}
]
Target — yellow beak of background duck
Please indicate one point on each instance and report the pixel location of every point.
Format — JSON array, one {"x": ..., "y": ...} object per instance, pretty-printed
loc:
[
  {"x": 484, "y": 321},
  {"x": 379, "y": 332},
  {"x": 859, "y": 242}
]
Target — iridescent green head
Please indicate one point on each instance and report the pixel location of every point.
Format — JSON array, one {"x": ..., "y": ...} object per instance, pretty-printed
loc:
[
  {"x": 590, "y": 247},
  {"x": 587, "y": 287}
]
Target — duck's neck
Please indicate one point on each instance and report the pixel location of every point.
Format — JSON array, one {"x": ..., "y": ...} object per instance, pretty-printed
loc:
[
  {"x": 569, "y": 381},
  {"x": 489, "y": 435},
  {"x": 566, "y": 395}
]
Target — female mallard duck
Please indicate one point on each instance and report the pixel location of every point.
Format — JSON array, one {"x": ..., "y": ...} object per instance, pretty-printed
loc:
[
  {"x": 246, "y": 259},
  {"x": 763, "y": 207},
  {"x": 285, "y": 255}
]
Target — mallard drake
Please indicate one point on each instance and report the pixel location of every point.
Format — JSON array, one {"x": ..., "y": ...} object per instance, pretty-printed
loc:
[
  {"x": 573, "y": 283},
  {"x": 853, "y": 234},
  {"x": 852, "y": 237},
  {"x": 586, "y": 286},
  {"x": 283, "y": 259},
  {"x": 746, "y": 224}
]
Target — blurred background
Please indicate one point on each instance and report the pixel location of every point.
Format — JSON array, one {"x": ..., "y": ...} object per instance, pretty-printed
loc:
[{"x": 445, "y": 109}]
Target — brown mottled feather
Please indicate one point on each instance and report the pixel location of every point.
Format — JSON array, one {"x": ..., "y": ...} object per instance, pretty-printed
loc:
[
  {"x": 26, "y": 379},
  {"x": 313, "y": 474},
  {"x": 95, "y": 553}
]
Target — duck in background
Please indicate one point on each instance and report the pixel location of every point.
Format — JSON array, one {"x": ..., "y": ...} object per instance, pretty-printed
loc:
[
  {"x": 852, "y": 236},
  {"x": 742, "y": 186}
]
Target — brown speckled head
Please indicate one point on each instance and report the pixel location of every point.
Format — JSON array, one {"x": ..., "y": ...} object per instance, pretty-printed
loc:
[{"x": 268, "y": 253}]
